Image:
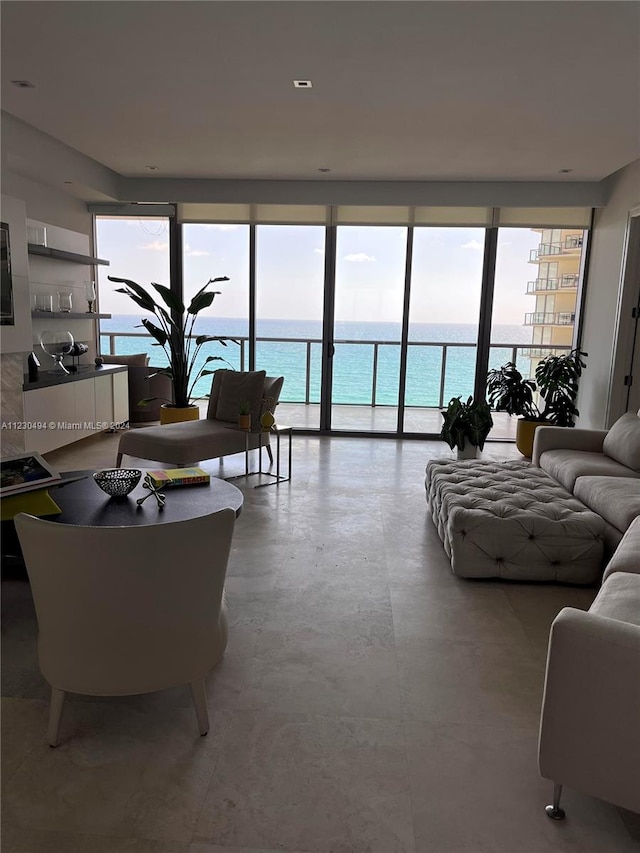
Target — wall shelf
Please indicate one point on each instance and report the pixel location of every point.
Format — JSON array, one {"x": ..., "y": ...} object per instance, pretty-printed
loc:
[
  {"x": 68, "y": 315},
  {"x": 61, "y": 255}
]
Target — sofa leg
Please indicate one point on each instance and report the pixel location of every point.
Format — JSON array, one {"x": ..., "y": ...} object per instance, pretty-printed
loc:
[
  {"x": 118, "y": 460},
  {"x": 269, "y": 453},
  {"x": 554, "y": 811}
]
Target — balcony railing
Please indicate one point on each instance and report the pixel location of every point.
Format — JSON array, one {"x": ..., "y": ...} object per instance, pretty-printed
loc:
[
  {"x": 542, "y": 318},
  {"x": 544, "y": 284},
  {"x": 448, "y": 351},
  {"x": 544, "y": 250}
]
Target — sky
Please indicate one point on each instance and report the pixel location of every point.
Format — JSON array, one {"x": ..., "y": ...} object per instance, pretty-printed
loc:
[{"x": 446, "y": 279}]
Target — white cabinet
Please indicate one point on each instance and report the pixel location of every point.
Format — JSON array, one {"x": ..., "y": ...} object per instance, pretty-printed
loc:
[{"x": 60, "y": 414}]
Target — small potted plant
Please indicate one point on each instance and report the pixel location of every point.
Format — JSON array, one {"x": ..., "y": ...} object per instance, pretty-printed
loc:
[
  {"x": 557, "y": 378},
  {"x": 466, "y": 426},
  {"x": 244, "y": 415}
]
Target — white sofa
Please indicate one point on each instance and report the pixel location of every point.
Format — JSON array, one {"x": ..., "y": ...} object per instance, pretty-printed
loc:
[
  {"x": 590, "y": 724},
  {"x": 599, "y": 467}
]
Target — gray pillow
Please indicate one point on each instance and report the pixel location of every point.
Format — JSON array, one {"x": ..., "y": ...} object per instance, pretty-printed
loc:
[
  {"x": 236, "y": 388},
  {"x": 622, "y": 442}
]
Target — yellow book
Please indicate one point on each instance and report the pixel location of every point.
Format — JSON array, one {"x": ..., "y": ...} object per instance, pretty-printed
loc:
[{"x": 179, "y": 477}]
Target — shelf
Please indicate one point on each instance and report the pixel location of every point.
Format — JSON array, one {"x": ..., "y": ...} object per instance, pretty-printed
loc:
[
  {"x": 68, "y": 315},
  {"x": 61, "y": 255}
]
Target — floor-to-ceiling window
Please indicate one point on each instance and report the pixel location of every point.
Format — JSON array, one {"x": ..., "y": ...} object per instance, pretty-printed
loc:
[
  {"x": 289, "y": 304},
  {"x": 369, "y": 294},
  {"x": 446, "y": 283}
]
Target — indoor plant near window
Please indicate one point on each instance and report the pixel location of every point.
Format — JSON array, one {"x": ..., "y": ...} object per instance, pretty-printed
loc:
[
  {"x": 466, "y": 426},
  {"x": 556, "y": 380},
  {"x": 244, "y": 415},
  {"x": 173, "y": 332}
]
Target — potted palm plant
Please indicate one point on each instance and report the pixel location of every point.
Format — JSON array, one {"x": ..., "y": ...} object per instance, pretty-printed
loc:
[
  {"x": 556, "y": 380},
  {"x": 466, "y": 426},
  {"x": 174, "y": 333}
]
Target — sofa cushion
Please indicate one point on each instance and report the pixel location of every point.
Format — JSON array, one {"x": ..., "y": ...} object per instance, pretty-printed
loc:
[
  {"x": 238, "y": 387},
  {"x": 566, "y": 466},
  {"x": 619, "y": 598},
  {"x": 627, "y": 555},
  {"x": 623, "y": 441},
  {"x": 616, "y": 499},
  {"x": 138, "y": 359}
]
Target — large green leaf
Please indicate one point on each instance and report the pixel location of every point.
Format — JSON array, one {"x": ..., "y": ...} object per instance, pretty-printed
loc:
[
  {"x": 170, "y": 298},
  {"x": 155, "y": 331},
  {"x": 144, "y": 297},
  {"x": 202, "y": 300}
]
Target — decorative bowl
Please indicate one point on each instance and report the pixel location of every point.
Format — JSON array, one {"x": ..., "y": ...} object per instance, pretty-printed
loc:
[{"x": 118, "y": 482}]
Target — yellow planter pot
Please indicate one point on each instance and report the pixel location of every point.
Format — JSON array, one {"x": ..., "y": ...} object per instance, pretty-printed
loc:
[
  {"x": 244, "y": 421},
  {"x": 173, "y": 415},
  {"x": 525, "y": 432}
]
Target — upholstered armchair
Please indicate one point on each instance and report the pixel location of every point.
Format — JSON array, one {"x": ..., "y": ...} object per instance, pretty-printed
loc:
[
  {"x": 212, "y": 437},
  {"x": 128, "y": 610},
  {"x": 143, "y": 385}
]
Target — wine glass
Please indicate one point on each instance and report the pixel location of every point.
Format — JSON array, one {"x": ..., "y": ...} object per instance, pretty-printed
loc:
[
  {"x": 57, "y": 345},
  {"x": 90, "y": 294}
]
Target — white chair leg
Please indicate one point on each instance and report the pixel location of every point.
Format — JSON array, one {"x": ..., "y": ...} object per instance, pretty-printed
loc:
[
  {"x": 199, "y": 696},
  {"x": 55, "y": 716}
]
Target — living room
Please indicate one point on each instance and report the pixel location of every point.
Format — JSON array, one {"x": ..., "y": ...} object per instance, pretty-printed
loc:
[{"x": 369, "y": 698}]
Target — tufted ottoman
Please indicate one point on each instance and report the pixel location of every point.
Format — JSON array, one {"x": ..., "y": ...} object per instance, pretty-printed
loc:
[{"x": 511, "y": 520}]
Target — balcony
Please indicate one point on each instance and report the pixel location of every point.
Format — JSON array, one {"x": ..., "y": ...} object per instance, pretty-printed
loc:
[
  {"x": 436, "y": 372},
  {"x": 539, "y": 285},
  {"x": 569, "y": 246},
  {"x": 542, "y": 318}
]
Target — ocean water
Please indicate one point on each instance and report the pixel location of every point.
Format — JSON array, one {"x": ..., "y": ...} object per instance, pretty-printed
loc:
[{"x": 353, "y": 362}]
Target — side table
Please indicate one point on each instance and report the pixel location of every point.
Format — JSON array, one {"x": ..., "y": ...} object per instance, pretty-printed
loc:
[{"x": 277, "y": 430}]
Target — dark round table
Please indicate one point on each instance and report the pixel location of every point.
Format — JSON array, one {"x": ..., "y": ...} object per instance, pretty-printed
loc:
[{"x": 82, "y": 502}]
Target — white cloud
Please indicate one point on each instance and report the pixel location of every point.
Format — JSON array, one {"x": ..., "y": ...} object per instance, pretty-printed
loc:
[
  {"x": 472, "y": 244},
  {"x": 195, "y": 253},
  {"x": 156, "y": 246},
  {"x": 318, "y": 251},
  {"x": 359, "y": 257}
]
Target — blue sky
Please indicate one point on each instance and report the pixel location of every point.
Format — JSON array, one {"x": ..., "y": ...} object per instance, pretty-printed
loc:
[{"x": 447, "y": 266}]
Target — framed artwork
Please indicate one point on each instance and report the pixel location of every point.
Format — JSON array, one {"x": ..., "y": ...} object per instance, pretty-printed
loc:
[{"x": 7, "y": 317}]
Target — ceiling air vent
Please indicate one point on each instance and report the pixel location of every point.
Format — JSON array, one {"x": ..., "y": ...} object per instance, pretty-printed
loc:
[{"x": 303, "y": 84}]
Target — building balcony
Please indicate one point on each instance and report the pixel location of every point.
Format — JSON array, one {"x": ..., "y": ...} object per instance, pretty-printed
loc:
[
  {"x": 543, "y": 285},
  {"x": 543, "y": 318},
  {"x": 569, "y": 246}
]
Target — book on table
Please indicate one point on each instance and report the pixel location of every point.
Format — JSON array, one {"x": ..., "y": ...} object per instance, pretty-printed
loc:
[{"x": 179, "y": 477}]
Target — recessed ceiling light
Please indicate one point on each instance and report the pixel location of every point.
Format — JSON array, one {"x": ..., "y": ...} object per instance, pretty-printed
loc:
[
  {"x": 324, "y": 170},
  {"x": 152, "y": 168},
  {"x": 303, "y": 84},
  {"x": 23, "y": 84},
  {"x": 68, "y": 182},
  {"x": 564, "y": 171}
]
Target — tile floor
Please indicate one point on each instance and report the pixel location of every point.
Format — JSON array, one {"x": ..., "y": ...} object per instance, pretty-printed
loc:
[{"x": 369, "y": 700}]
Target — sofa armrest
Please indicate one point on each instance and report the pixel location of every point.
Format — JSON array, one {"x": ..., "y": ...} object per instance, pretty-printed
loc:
[
  {"x": 589, "y": 730},
  {"x": 566, "y": 438}
]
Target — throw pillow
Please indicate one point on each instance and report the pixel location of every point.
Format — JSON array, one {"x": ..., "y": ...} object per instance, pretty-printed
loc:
[
  {"x": 238, "y": 387},
  {"x": 622, "y": 442},
  {"x": 138, "y": 359}
]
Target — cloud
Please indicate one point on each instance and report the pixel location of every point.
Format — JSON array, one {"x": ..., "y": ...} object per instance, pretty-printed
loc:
[
  {"x": 359, "y": 257},
  {"x": 195, "y": 253},
  {"x": 156, "y": 246},
  {"x": 472, "y": 244},
  {"x": 318, "y": 251}
]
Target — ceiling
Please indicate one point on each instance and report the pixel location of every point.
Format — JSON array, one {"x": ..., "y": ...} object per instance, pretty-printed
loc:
[{"x": 417, "y": 91}]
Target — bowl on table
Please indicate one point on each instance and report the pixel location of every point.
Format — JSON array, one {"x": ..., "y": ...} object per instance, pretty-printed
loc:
[{"x": 118, "y": 482}]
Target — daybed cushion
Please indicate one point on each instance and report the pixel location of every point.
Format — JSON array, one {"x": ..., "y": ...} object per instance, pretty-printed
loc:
[
  {"x": 238, "y": 387},
  {"x": 138, "y": 359},
  {"x": 619, "y": 598},
  {"x": 616, "y": 499},
  {"x": 623, "y": 441},
  {"x": 566, "y": 466},
  {"x": 627, "y": 554}
]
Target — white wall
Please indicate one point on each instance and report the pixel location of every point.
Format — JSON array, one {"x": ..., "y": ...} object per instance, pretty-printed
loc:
[{"x": 604, "y": 294}]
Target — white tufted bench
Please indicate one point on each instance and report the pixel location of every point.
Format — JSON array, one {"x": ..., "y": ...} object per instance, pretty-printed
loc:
[{"x": 511, "y": 520}]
